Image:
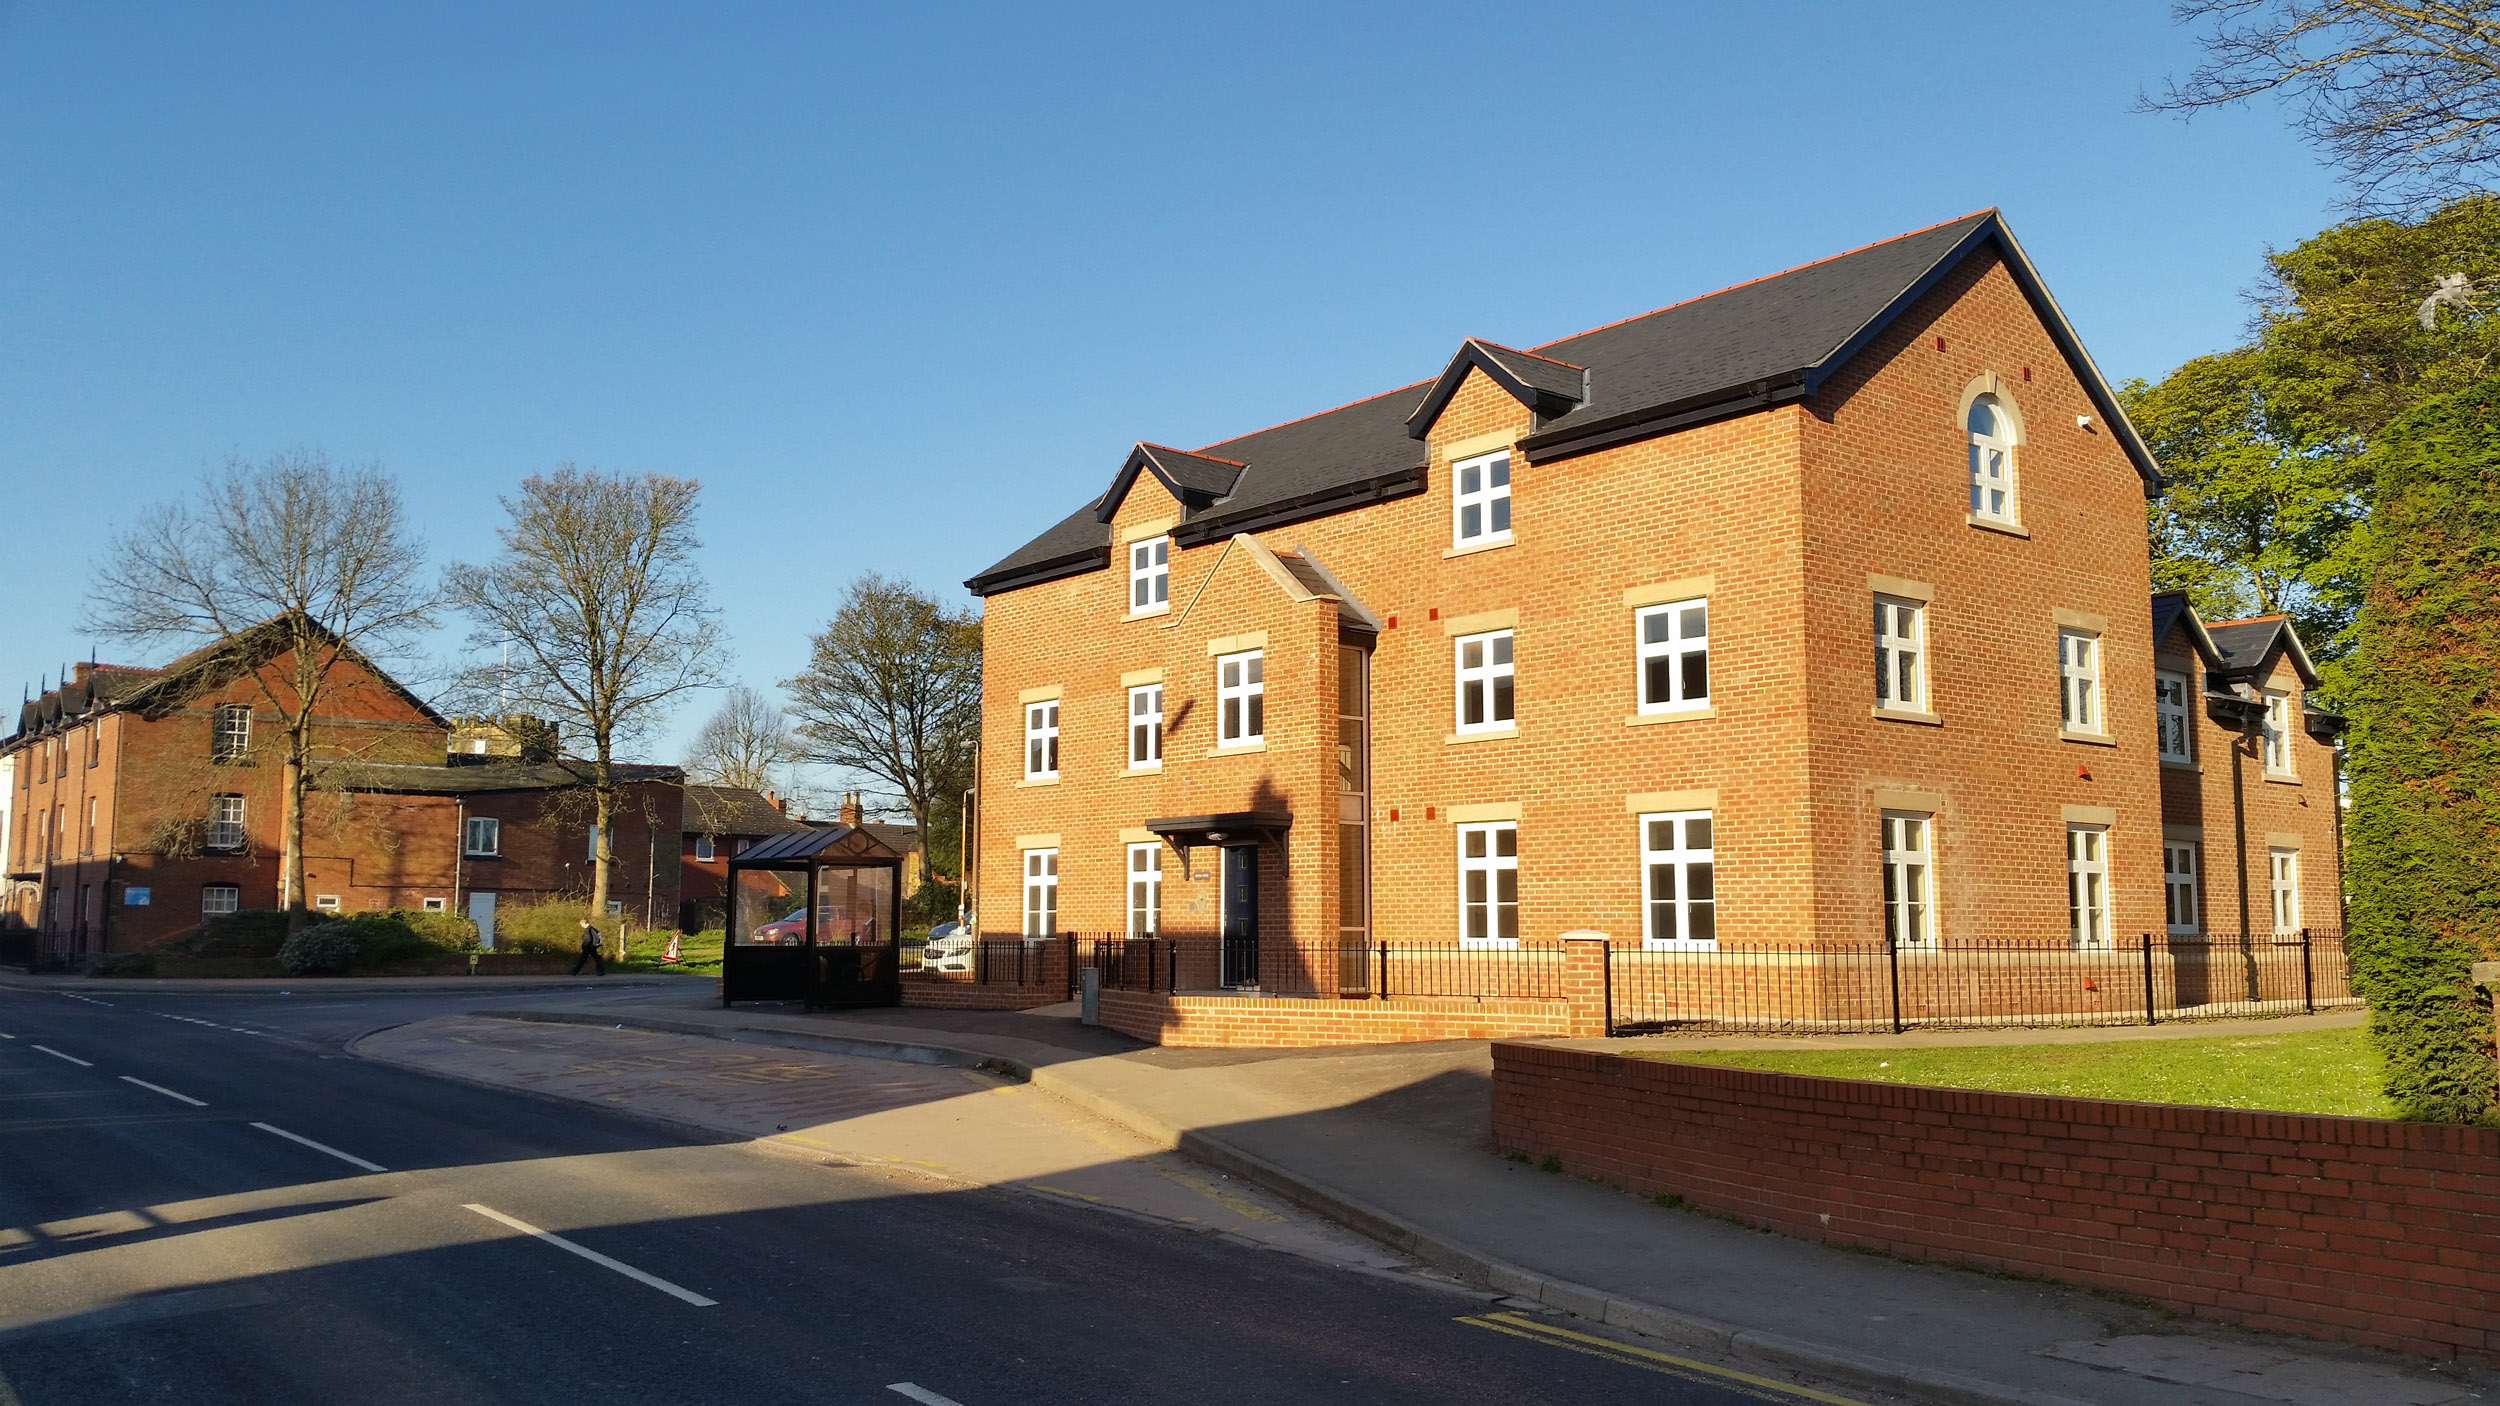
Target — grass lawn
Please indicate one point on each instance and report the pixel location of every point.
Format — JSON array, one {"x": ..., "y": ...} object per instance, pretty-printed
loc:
[
  {"x": 2315, "y": 1071},
  {"x": 697, "y": 952}
]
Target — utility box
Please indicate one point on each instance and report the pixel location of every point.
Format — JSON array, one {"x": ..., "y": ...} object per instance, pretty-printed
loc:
[{"x": 1089, "y": 995}]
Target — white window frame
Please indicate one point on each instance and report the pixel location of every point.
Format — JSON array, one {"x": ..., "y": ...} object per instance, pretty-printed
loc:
[
  {"x": 705, "y": 851},
  {"x": 226, "y": 831},
  {"x": 1150, "y": 576},
  {"x": 590, "y": 845},
  {"x": 2275, "y": 734},
  {"x": 1241, "y": 705},
  {"x": 1991, "y": 462},
  {"x": 1901, "y": 660},
  {"x": 1668, "y": 922},
  {"x": 326, "y": 902},
  {"x": 1908, "y": 846},
  {"x": 1482, "y": 904},
  {"x": 1472, "y": 488},
  {"x": 1041, "y": 740},
  {"x": 1145, "y": 888},
  {"x": 2181, "y": 910},
  {"x": 2087, "y": 887},
  {"x": 436, "y": 905},
  {"x": 230, "y": 732},
  {"x": 1145, "y": 727},
  {"x": 1482, "y": 683},
  {"x": 217, "y": 900},
  {"x": 2173, "y": 729},
  {"x": 1041, "y": 892},
  {"x": 2079, "y": 682},
  {"x": 2283, "y": 888},
  {"x": 1676, "y": 649},
  {"x": 488, "y": 826}
]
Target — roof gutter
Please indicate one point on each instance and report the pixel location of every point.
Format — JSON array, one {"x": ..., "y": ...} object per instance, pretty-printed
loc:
[
  {"x": 1379, "y": 489},
  {"x": 1549, "y": 445},
  {"x": 1072, "y": 564}
]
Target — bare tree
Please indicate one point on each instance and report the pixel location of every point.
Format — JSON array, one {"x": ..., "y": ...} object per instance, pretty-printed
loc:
[
  {"x": 746, "y": 743},
  {"x": 294, "y": 560},
  {"x": 2403, "y": 95},
  {"x": 893, "y": 691},
  {"x": 597, "y": 593}
]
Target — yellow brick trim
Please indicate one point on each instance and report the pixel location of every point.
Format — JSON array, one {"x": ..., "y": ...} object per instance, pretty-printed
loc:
[
  {"x": 1138, "y": 835},
  {"x": 2081, "y": 620},
  {"x": 1236, "y": 644},
  {"x": 1043, "y": 694},
  {"x": 2283, "y": 839},
  {"x": 1900, "y": 586},
  {"x": 1902, "y": 798},
  {"x": 1479, "y": 623},
  {"x": 2087, "y": 815},
  {"x": 1689, "y": 588},
  {"x": 1157, "y": 528},
  {"x": 1478, "y": 814},
  {"x": 1135, "y": 677},
  {"x": 1044, "y": 841},
  {"x": 1474, "y": 445},
  {"x": 1651, "y": 802}
]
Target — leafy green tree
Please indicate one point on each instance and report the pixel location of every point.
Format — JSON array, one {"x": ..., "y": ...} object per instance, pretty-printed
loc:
[
  {"x": 2266, "y": 444},
  {"x": 2423, "y": 689}
]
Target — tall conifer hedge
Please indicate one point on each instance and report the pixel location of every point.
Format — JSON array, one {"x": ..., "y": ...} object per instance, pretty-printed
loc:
[{"x": 2423, "y": 839}]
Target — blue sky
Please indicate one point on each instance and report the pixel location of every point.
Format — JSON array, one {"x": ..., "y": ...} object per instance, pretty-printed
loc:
[{"x": 900, "y": 284}]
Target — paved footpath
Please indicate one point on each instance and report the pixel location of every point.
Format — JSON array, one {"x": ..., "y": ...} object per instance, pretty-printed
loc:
[{"x": 1392, "y": 1141}]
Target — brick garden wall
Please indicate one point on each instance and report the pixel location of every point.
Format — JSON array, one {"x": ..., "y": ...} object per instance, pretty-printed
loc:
[
  {"x": 2353, "y": 1229},
  {"x": 1286, "y": 1023}
]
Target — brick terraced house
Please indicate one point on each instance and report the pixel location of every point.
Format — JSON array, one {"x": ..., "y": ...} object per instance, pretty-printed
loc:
[
  {"x": 146, "y": 801},
  {"x": 1816, "y": 610}
]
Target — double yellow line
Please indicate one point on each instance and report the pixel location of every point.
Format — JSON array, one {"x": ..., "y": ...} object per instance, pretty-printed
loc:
[{"x": 1651, "y": 1360}]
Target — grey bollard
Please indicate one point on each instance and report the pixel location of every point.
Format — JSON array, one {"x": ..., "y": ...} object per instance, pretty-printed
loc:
[{"x": 1089, "y": 994}]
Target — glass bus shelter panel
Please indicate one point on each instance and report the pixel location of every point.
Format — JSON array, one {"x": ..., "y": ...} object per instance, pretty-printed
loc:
[
  {"x": 768, "y": 909},
  {"x": 854, "y": 907}
]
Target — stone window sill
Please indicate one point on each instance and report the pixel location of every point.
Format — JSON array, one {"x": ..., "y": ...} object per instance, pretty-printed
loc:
[
  {"x": 1039, "y": 781},
  {"x": 2176, "y": 765},
  {"x": 1672, "y": 715},
  {"x": 1151, "y": 611},
  {"x": 1240, "y": 749},
  {"x": 2089, "y": 739},
  {"x": 1989, "y": 524},
  {"x": 1491, "y": 734},
  {"x": 1919, "y": 716},
  {"x": 1474, "y": 547},
  {"x": 2282, "y": 778},
  {"x": 1152, "y": 768}
]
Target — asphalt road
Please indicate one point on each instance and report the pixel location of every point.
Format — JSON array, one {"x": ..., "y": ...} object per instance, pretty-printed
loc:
[{"x": 193, "y": 1208}]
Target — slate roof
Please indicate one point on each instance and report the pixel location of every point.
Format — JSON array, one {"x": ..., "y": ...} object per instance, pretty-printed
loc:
[
  {"x": 734, "y": 810},
  {"x": 2248, "y": 646},
  {"x": 423, "y": 779},
  {"x": 1758, "y": 343}
]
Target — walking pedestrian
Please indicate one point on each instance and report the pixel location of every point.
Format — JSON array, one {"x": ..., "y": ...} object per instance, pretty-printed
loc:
[{"x": 590, "y": 951}]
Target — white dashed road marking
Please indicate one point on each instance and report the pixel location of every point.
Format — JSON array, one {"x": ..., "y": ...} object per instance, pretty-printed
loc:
[
  {"x": 90, "y": 1000},
  {"x": 655, "y": 1281},
  {"x": 161, "y": 1089},
  {"x": 349, "y": 1158},
  {"x": 922, "y": 1394},
  {"x": 56, "y": 1054}
]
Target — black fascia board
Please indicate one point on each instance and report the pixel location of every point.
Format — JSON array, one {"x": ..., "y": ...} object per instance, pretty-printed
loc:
[
  {"x": 1141, "y": 458},
  {"x": 1472, "y": 353},
  {"x": 1379, "y": 489},
  {"x": 1919, "y": 288},
  {"x": 1657, "y": 420},
  {"x": 1034, "y": 574}
]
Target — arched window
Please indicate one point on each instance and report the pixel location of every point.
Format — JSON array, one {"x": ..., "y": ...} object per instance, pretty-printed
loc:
[{"x": 1991, "y": 460}]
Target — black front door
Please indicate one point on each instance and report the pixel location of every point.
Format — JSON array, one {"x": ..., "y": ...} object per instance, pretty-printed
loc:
[{"x": 1241, "y": 915}]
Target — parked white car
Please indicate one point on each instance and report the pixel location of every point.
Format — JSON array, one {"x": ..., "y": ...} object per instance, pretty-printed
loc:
[{"x": 950, "y": 949}]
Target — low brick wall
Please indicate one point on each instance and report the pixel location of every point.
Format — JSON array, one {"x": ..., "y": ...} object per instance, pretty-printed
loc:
[
  {"x": 2353, "y": 1229},
  {"x": 933, "y": 991},
  {"x": 1275, "y": 1022}
]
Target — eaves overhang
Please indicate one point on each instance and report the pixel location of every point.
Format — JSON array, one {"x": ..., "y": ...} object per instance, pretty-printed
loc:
[{"x": 1546, "y": 386}]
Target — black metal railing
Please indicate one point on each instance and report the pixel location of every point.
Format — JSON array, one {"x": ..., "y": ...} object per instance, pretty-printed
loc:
[
  {"x": 1879, "y": 986},
  {"x": 17, "y": 947},
  {"x": 1351, "y": 970}
]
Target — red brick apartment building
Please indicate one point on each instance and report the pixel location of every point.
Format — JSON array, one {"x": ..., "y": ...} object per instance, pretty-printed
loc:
[
  {"x": 145, "y": 801},
  {"x": 1812, "y": 610}
]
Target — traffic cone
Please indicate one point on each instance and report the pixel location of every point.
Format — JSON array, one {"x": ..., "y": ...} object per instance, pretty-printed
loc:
[{"x": 671, "y": 954}]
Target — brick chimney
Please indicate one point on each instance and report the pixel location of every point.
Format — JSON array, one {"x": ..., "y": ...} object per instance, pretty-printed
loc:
[
  {"x": 776, "y": 802},
  {"x": 850, "y": 809}
]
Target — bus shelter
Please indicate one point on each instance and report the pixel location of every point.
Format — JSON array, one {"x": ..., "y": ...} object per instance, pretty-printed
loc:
[{"x": 816, "y": 917}]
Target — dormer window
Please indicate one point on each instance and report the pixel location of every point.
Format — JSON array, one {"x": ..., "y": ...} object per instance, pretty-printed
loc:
[
  {"x": 1480, "y": 500},
  {"x": 1991, "y": 460},
  {"x": 1149, "y": 575}
]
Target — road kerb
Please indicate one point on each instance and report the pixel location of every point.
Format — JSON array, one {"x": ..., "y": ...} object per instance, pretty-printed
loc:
[{"x": 1580, "y": 1300}]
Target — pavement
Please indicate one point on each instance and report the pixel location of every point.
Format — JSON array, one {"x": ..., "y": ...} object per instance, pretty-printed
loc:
[
  {"x": 1392, "y": 1141},
  {"x": 203, "y": 1199}
]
